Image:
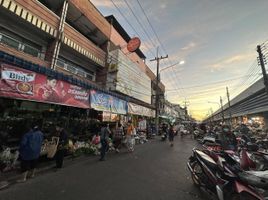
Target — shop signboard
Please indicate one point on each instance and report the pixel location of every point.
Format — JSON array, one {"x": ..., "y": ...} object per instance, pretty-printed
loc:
[
  {"x": 109, "y": 117},
  {"x": 24, "y": 84},
  {"x": 139, "y": 110},
  {"x": 105, "y": 102}
]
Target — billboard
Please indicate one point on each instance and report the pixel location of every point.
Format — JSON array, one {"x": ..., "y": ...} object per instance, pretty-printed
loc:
[
  {"x": 130, "y": 79},
  {"x": 24, "y": 84}
]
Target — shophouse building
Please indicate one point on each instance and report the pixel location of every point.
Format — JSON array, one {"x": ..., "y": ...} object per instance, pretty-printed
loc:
[{"x": 56, "y": 58}]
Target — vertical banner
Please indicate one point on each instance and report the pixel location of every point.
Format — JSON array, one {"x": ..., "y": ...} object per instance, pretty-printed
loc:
[{"x": 24, "y": 84}]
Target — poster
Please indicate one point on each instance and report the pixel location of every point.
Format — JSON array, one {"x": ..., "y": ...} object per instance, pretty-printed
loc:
[
  {"x": 105, "y": 102},
  {"x": 24, "y": 84}
]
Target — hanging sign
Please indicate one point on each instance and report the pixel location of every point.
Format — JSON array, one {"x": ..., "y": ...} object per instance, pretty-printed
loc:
[{"x": 133, "y": 44}]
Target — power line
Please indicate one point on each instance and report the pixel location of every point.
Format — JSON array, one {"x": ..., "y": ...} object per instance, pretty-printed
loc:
[
  {"x": 121, "y": 13},
  {"x": 211, "y": 83},
  {"x": 157, "y": 37},
  {"x": 141, "y": 25}
]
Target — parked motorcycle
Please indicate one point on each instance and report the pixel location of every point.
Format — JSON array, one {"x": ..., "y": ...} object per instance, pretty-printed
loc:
[{"x": 221, "y": 175}]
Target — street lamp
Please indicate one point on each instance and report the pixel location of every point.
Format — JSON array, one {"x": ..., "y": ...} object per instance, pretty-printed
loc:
[
  {"x": 220, "y": 107},
  {"x": 182, "y": 62}
]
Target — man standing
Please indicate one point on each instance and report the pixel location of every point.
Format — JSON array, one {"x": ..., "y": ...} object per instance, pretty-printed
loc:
[
  {"x": 171, "y": 135},
  {"x": 30, "y": 148},
  {"x": 104, "y": 137},
  {"x": 63, "y": 141}
]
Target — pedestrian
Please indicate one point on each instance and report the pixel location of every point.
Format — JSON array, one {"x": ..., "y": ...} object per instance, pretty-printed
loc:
[
  {"x": 129, "y": 135},
  {"x": 104, "y": 139},
  {"x": 171, "y": 135},
  {"x": 62, "y": 146},
  {"x": 118, "y": 136},
  {"x": 96, "y": 142},
  {"x": 30, "y": 148}
]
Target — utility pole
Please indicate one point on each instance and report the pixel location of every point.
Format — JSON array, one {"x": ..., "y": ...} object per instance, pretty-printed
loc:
[
  {"x": 157, "y": 59},
  {"x": 185, "y": 109},
  {"x": 229, "y": 104},
  {"x": 262, "y": 62},
  {"x": 222, "y": 113},
  {"x": 212, "y": 116}
]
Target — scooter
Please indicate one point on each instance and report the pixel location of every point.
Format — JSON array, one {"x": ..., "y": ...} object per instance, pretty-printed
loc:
[{"x": 222, "y": 177}]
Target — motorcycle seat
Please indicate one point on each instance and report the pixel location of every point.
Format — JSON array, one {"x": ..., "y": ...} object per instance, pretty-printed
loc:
[
  {"x": 255, "y": 178},
  {"x": 207, "y": 159}
]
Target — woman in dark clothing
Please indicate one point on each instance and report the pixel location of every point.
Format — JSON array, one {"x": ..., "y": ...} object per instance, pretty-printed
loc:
[
  {"x": 171, "y": 135},
  {"x": 63, "y": 141},
  {"x": 30, "y": 148}
]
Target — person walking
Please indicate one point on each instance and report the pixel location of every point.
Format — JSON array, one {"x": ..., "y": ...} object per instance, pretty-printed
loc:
[
  {"x": 129, "y": 134},
  {"x": 171, "y": 135},
  {"x": 104, "y": 139},
  {"x": 61, "y": 149},
  {"x": 30, "y": 148},
  {"x": 118, "y": 136}
]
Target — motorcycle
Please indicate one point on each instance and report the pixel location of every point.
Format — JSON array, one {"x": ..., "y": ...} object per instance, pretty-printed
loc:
[{"x": 220, "y": 175}]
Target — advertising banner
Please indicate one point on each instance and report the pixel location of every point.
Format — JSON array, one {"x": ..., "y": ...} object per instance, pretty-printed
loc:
[
  {"x": 140, "y": 110},
  {"x": 105, "y": 102},
  {"x": 24, "y": 84}
]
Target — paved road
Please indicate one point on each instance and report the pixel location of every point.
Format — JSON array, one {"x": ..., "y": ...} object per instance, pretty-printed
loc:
[{"x": 154, "y": 171}]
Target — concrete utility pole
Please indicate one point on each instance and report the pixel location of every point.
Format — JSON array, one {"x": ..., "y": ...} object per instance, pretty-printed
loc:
[
  {"x": 222, "y": 113},
  {"x": 185, "y": 109},
  {"x": 229, "y": 105},
  {"x": 262, "y": 62},
  {"x": 157, "y": 59}
]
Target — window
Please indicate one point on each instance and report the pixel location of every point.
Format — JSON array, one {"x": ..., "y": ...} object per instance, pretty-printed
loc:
[
  {"x": 75, "y": 69},
  {"x": 31, "y": 50},
  {"x": 19, "y": 45},
  {"x": 9, "y": 41}
]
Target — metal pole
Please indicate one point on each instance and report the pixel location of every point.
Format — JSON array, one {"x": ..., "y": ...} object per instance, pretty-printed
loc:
[
  {"x": 229, "y": 104},
  {"x": 222, "y": 113},
  {"x": 262, "y": 64}
]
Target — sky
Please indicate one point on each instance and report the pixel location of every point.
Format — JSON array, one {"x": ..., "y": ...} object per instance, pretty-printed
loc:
[{"x": 216, "y": 39}]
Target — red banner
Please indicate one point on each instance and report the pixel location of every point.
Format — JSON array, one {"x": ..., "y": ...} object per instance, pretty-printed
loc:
[{"x": 24, "y": 84}]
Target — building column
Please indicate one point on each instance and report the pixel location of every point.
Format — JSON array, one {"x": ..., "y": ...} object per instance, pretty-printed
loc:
[
  {"x": 53, "y": 47},
  {"x": 265, "y": 117}
]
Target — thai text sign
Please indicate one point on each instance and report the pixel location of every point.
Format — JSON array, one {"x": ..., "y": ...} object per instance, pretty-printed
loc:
[
  {"x": 140, "y": 110},
  {"x": 24, "y": 84}
]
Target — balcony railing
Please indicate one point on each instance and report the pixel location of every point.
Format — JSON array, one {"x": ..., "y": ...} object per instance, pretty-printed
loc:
[
  {"x": 75, "y": 70},
  {"x": 20, "y": 46}
]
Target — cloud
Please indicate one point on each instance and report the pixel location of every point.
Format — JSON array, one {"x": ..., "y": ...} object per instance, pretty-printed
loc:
[
  {"x": 232, "y": 61},
  {"x": 189, "y": 46},
  {"x": 106, "y": 3}
]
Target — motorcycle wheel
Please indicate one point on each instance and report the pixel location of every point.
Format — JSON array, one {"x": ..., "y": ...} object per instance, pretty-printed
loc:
[{"x": 197, "y": 171}]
